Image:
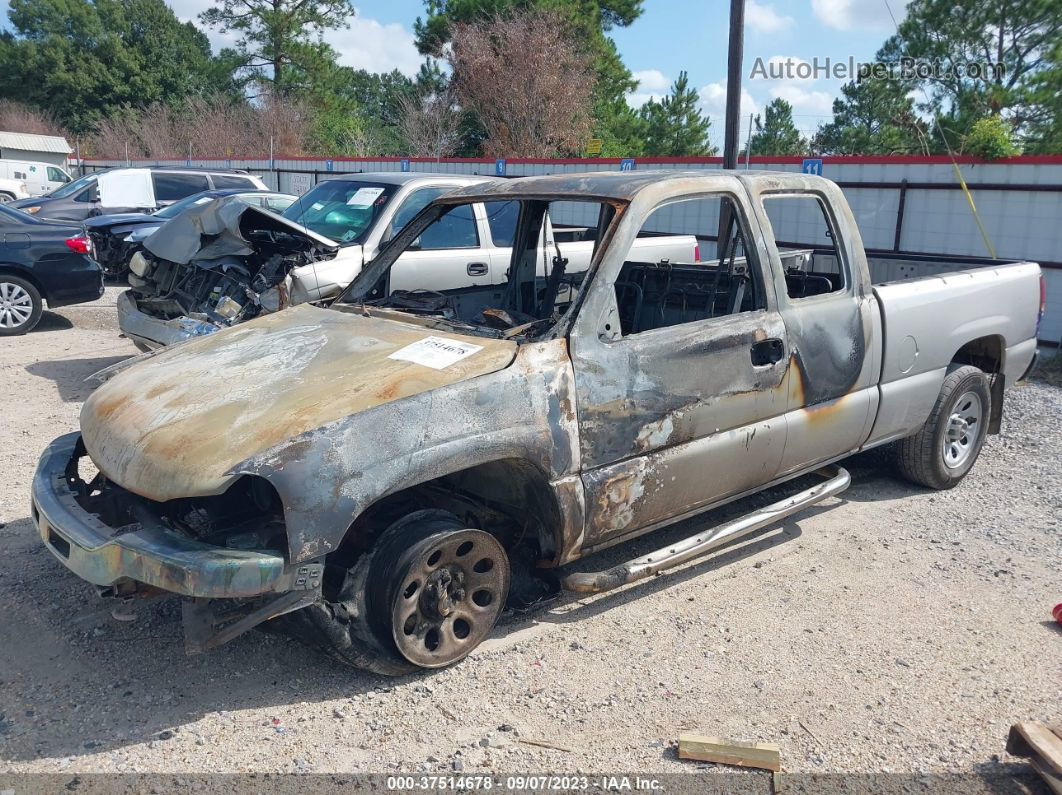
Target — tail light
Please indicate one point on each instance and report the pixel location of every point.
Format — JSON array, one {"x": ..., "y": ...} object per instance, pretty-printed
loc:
[
  {"x": 697, "y": 253},
  {"x": 80, "y": 244}
]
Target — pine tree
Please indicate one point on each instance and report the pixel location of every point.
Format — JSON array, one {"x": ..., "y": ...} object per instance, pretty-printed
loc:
[
  {"x": 775, "y": 133},
  {"x": 674, "y": 125}
]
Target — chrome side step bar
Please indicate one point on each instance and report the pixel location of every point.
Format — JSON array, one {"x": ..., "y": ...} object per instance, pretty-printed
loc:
[{"x": 837, "y": 481}]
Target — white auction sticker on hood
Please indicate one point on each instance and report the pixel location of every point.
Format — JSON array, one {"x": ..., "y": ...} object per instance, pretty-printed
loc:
[{"x": 437, "y": 353}]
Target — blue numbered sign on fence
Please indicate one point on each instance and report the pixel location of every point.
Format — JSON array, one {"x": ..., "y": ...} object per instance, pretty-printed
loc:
[
  {"x": 627, "y": 164},
  {"x": 405, "y": 165},
  {"x": 812, "y": 166},
  {"x": 499, "y": 168}
]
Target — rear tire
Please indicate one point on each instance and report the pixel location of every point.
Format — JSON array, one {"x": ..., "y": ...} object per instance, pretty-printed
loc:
[
  {"x": 6, "y": 197},
  {"x": 20, "y": 306},
  {"x": 944, "y": 450}
]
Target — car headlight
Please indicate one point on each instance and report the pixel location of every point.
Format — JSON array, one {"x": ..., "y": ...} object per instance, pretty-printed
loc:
[
  {"x": 139, "y": 264},
  {"x": 31, "y": 210}
]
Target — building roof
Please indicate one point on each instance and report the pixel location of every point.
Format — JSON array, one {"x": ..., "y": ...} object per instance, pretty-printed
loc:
[
  {"x": 402, "y": 177},
  {"x": 28, "y": 142}
]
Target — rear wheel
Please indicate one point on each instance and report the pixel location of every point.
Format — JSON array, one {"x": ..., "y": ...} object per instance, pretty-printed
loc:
[
  {"x": 20, "y": 306},
  {"x": 6, "y": 197},
  {"x": 944, "y": 450}
]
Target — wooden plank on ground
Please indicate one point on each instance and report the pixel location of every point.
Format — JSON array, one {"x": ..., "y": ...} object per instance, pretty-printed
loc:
[
  {"x": 1032, "y": 738},
  {"x": 728, "y": 752}
]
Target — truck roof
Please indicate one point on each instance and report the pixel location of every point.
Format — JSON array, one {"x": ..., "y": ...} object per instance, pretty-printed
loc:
[{"x": 620, "y": 185}]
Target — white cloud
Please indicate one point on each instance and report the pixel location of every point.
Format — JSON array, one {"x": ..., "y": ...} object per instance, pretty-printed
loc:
[
  {"x": 862, "y": 14},
  {"x": 764, "y": 19},
  {"x": 713, "y": 102},
  {"x": 375, "y": 47},
  {"x": 652, "y": 84},
  {"x": 804, "y": 102},
  {"x": 366, "y": 44}
]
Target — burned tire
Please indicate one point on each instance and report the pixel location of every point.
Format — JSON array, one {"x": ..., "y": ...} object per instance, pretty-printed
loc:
[
  {"x": 20, "y": 306},
  {"x": 948, "y": 444},
  {"x": 381, "y": 624}
]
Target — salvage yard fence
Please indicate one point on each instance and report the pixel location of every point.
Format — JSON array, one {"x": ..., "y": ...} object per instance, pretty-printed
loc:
[{"x": 908, "y": 205}]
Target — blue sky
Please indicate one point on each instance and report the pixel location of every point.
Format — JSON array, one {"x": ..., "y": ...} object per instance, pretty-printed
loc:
[{"x": 667, "y": 38}]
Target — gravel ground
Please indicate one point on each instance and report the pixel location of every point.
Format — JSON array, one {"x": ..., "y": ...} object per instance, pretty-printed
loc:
[{"x": 893, "y": 630}]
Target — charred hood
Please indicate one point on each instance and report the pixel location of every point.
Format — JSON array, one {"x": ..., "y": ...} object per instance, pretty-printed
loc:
[{"x": 177, "y": 423}]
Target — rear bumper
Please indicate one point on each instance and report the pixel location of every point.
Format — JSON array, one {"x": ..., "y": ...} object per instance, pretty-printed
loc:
[
  {"x": 153, "y": 332},
  {"x": 72, "y": 279},
  {"x": 146, "y": 553}
]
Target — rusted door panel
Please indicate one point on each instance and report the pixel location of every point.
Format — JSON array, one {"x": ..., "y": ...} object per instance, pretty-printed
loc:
[
  {"x": 638, "y": 492},
  {"x": 833, "y": 381},
  {"x": 658, "y": 409}
]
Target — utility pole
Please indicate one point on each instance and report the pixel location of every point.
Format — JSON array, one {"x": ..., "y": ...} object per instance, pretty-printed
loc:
[
  {"x": 731, "y": 128},
  {"x": 733, "y": 83}
]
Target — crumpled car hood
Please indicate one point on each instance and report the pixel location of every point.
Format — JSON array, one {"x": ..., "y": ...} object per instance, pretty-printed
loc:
[
  {"x": 175, "y": 424},
  {"x": 212, "y": 230}
]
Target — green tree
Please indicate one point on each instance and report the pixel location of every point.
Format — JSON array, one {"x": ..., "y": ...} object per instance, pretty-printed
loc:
[
  {"x": 84, "y": 60},
  {"x": 1012, "y": 42},
  {"x": 674, "y": 126},
  {"x": 776, "y": 134},
  {"x": 872, "y": 117},
  {"x": 617, "y": 124},
  {"x": 1044, "y": 131},
  {"x": 280, "y": 40},
  {"x": 990, "y": 138}
]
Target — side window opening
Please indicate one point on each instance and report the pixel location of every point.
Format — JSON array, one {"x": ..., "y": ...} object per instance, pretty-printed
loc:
[
  {"x": 807, "y": 244},
  {"x": 665, "y": 280}
]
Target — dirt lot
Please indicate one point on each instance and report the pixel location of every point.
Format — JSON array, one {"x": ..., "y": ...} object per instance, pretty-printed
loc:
[{"x": 894, "y": 629}]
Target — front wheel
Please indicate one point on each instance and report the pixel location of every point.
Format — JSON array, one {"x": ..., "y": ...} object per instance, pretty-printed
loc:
[
  {"x": 425, "y": 596},
  {"x": 945, "y": 448}
]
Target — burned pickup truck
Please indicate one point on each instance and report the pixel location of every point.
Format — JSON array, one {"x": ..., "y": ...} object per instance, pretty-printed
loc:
[{"x": 380, "y": 477}]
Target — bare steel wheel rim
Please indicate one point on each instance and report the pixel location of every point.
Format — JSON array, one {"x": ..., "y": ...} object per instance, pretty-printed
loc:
[
  {"x": 16, "y": 305},
  {"x": 963, "y": 430},
  {"x": 449, "y": 598}
]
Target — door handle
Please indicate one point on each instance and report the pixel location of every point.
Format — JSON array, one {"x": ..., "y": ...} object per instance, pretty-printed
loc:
[
  {"x": 767, "y": 352},
  {"x": 477, "y": 269}
]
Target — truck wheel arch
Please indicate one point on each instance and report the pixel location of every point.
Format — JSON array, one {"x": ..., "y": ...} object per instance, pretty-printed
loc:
[
  {"x": 988, "y": 354},
  {"x": 457, "y": 491},
  {"x": 985, "y": 353}
]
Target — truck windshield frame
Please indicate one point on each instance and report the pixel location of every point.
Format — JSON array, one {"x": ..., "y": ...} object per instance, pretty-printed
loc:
[{"x": 367, "y": 288}]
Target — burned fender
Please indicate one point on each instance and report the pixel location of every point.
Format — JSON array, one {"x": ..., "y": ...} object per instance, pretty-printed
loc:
[{"x": 328, "y": 476}]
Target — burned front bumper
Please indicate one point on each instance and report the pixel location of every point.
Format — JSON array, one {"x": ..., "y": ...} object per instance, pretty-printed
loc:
[
  {"x": 153, "y": 332},
  {"x": 147, "y": 553}
]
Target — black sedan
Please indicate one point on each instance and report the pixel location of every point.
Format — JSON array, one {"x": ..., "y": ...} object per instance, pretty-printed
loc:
[
  {"x": 42, "y": 261},
  {"x": 115, "y": 237}
]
